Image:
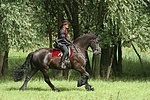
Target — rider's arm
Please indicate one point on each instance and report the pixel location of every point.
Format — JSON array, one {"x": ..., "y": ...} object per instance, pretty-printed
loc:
[
  {"x": 68, "y": 40},
  {"x": 61, "y": 34},
  {"x": 63, "y": 37}
]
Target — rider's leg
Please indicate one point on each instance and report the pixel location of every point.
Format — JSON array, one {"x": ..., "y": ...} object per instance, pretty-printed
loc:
[{"x": 65, "y": 53}]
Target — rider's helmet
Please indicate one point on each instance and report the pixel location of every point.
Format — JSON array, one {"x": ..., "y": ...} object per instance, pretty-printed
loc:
[{"x": 64, "y": 22}]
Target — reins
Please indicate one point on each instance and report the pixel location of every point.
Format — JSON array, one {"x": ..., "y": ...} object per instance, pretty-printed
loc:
[
  {"x": 86, "y": 50},
  {"x": 80, "y": 48},
  {"x": 75, "y": 47}
]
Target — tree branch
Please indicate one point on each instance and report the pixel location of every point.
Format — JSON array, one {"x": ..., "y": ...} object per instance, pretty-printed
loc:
[{"x": 139, "y": 58}]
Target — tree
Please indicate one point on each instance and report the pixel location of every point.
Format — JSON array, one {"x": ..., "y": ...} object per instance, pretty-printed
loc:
[
  {"x": 22, "y": 26},
  {"x": 126, "y": 21},
  {"x": 117, "y": 22}
]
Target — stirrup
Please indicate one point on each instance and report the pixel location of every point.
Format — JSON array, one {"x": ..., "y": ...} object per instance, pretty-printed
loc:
[{"x": 62, "y": 65}]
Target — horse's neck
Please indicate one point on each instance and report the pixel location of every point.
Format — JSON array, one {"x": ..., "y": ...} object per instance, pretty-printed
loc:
[
  {"x": 82, "y": 46},
  {"x": 81, "y": 49},
  {"x": 78, "y": 51},
  {"x": 83, "y": 43}
]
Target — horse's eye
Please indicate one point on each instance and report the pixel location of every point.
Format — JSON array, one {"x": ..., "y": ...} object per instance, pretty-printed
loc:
[{"x": 97, "y": 39}]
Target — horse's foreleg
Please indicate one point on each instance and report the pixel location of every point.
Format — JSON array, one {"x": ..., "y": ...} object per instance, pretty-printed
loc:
[
  {"x": 47, "y": 80},
  {"x": 28, "y": 77},
  {"x": 84, "y": 79}
]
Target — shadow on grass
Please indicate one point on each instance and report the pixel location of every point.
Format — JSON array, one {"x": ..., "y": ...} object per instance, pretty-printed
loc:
[
  {"x": 62, "y": 89},
  {"x": 28, "y": 89}
]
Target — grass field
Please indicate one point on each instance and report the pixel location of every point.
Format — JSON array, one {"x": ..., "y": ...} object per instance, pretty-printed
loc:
[
  {"x": 131, "y": 85},
  {"x": 104, "y": 90}
]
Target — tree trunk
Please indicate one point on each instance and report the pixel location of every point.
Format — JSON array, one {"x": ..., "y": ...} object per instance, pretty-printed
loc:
[
  {"x": 75, "y": 21},
  {"x": 5, "y": 63},
  {"x": 115, "y": 61},
  {"x": 105, "y": 60},
  {"x": 119, "y": 68},
  {"x": 96, "y": 66},
  {"x": 100, "y": 17},
  {"x": 1, "y": 62},
  {"x": 144, "y": 73},
  {"x": 111, "y": 63}
]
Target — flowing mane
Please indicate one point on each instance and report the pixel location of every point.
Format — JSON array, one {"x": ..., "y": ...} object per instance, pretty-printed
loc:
[{"x": 85, "y": 37}]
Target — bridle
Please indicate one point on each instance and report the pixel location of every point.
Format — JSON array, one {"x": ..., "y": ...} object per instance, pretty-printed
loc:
[
  {"x": 95, "y": 49},
  {"x": 93, "y": 41}
]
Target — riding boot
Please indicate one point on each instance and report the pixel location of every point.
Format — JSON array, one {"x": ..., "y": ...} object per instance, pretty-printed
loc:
[{"x": 62, "y": 64}]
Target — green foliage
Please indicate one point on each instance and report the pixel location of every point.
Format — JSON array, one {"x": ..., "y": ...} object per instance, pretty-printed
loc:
[
  {"x": 133, "y": 24},
  {"x": 23, "y": 23},
  {"x": 88, "y": 15},
  {"x": 115, "y": 19}
]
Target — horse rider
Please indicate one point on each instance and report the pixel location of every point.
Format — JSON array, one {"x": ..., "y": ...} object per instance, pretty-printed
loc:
[{"x": 63, "y": 42}]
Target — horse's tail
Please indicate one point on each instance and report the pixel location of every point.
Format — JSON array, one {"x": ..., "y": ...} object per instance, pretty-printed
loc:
[{"x": 19, "y": 72}]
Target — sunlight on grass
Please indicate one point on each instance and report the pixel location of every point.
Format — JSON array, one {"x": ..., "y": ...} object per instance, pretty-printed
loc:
[{"x": 104, "y": 90}]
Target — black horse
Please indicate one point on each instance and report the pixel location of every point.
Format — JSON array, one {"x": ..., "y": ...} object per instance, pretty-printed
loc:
[{"x": 48, "y": 58}]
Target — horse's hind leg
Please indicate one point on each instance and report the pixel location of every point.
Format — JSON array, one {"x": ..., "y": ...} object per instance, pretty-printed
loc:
[
  {"x": 84, "y": 79},
  {"x": 47, "y": 80},
  {"x": 28, "y": 77}
]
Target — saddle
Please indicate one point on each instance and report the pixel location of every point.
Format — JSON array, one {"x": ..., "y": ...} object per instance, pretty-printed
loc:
[{"x": 58, "y": 53}]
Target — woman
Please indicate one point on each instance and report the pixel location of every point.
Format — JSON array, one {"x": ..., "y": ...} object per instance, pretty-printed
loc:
[{"x": 63, "y": 41}]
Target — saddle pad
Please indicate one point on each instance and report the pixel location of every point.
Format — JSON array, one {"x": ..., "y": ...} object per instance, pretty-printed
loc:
[{"x": 58, "y": 53}]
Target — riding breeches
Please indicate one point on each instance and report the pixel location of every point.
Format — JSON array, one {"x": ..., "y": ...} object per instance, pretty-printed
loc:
[{"x": 65, "y": 51}]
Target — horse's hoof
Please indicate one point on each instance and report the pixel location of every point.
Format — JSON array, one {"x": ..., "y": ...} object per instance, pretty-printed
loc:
[
  {"x": 89, "y": 88},
  {"x": 56, "y": 90},
  {"x": 21, "y": 89},
  {"x": 92, "y": 89}
]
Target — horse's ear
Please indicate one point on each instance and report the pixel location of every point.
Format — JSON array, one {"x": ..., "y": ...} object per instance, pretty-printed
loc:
[{"x": 96, "y": 34}]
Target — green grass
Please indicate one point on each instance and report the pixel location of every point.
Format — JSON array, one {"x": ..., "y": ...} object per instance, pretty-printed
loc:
[
  {"x": 104, "y": 90},
  {"x": 131, "y": 85}
]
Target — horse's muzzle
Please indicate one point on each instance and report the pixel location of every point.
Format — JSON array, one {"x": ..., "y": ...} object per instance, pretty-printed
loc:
[{"x": 97, "y": 52}]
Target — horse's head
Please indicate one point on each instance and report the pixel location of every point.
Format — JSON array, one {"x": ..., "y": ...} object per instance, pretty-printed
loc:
[
  {"x": 88, "y": 40},
  {"x": 94, "y": 44}
]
